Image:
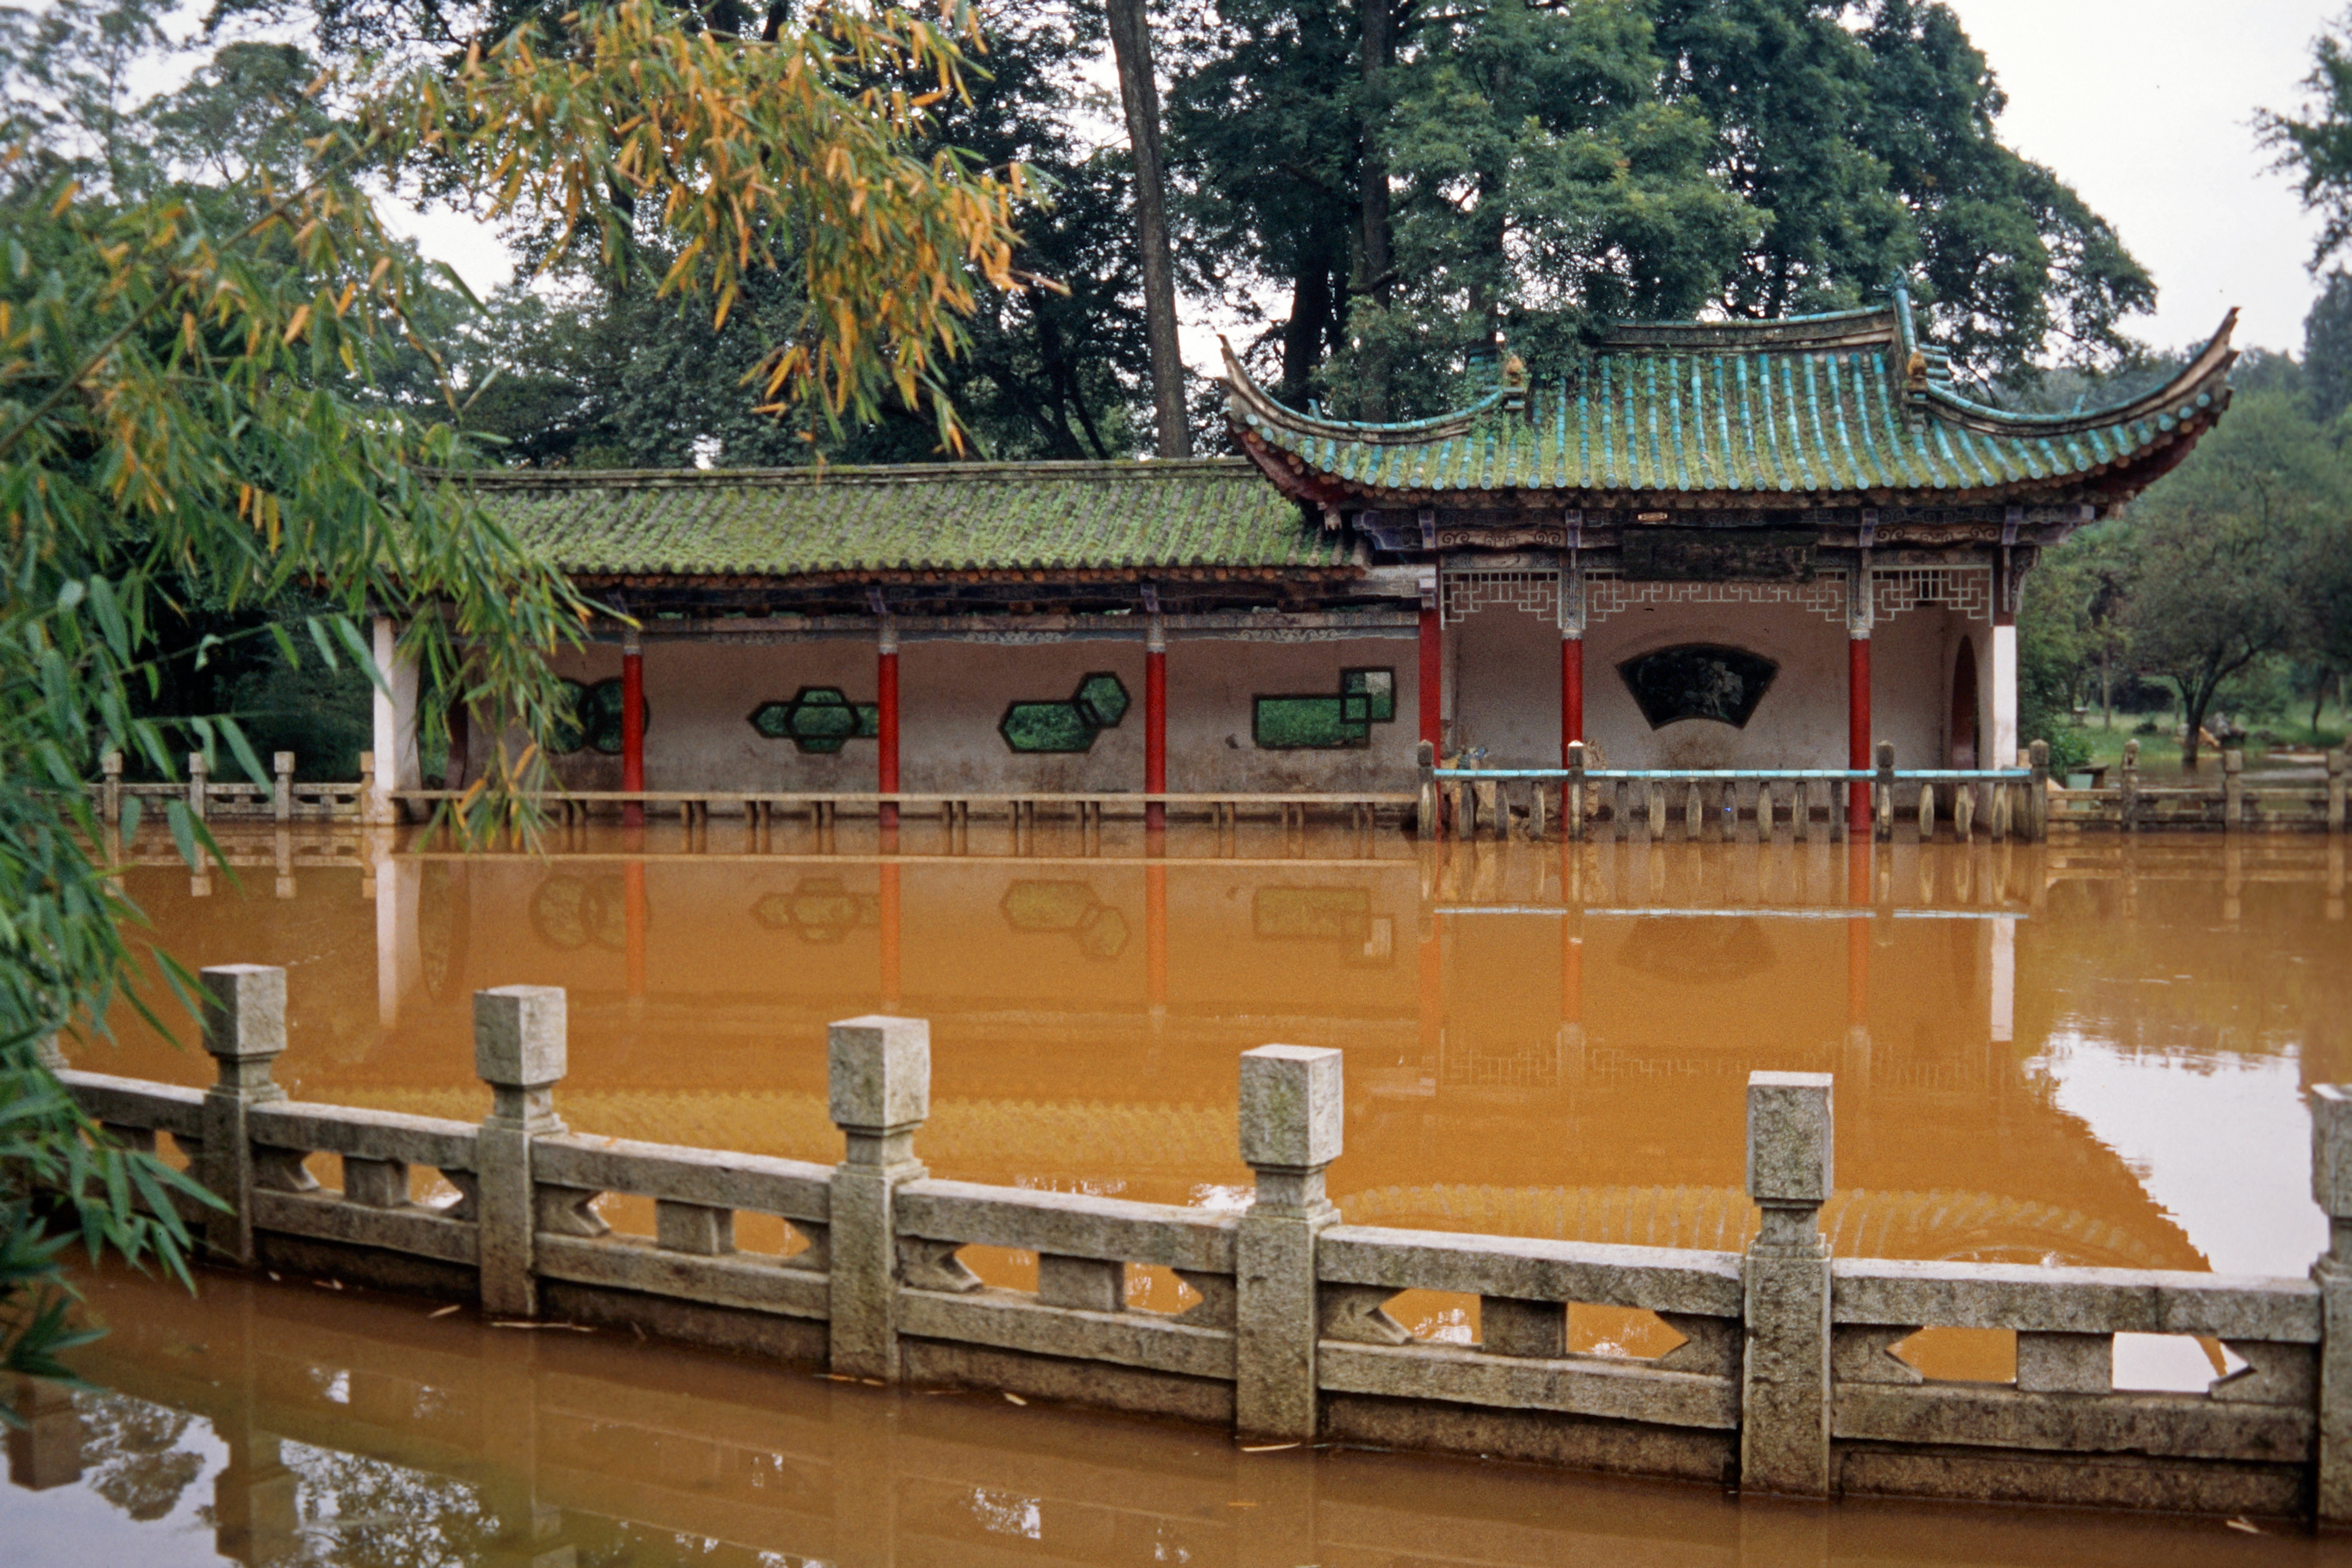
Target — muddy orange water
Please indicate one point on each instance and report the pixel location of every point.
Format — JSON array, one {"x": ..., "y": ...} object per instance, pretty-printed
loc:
[{"x": 2091, "y": 1054}]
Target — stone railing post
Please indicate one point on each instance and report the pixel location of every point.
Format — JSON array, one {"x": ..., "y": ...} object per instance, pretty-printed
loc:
[
  {"x": 109, "y": 790},
  {"x": 1784, "y": 1395},
  {"x": 45, "y": 1451},
  {"x": 199, "y": 783},
  {"x": 2331, "y": 1186},
  {"x": 2337, "y": 761},
  {"x": 1571, "y": 795},
  {"x": 281, "y": 795},
  {"x": 878, "y": 1088},
  {"x": 1293, "y": 1113},
  {"x": 371, "y": 808},
  {"x": 2127, "y": 808},
  {"x": 519, "y": 1051},
  {"x": 1425, "y": 811},
  {"x": 2233, "y": 789},
  {"x": 245, "y": 1032},
  {"x": 1883, "y": 819},
  {"x": 2037, "y": 806}
]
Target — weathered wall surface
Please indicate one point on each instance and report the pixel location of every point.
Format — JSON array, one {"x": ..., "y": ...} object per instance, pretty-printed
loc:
[
  {"x": 953, "y": 695},
  {"x": 1210, "y": 685},
  {"x": 1509, "y": 687},
  {"x": 1800, "y": 723}
]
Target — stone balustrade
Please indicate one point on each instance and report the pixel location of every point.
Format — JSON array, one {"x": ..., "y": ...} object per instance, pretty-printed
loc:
[{"x": 1787, "y": 1378}]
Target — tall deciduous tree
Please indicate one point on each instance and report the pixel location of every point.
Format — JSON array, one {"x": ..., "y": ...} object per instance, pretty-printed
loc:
[
  {"x": 1139, "y": 91},
  {"x": 173, "y": 409},
  {"x": 2316, "y": 145},
  {"x": 2223, "y": 548}
]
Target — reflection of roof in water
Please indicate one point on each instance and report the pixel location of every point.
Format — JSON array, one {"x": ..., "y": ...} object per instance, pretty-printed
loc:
[
  {"x": 1859, "y": 1223},
  {"x": 973, "y": 1137}
]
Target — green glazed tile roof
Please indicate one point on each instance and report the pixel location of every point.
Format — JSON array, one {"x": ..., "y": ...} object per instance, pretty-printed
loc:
[
  {"x": 1825, "y": 405},
  {"x": 946, "y": 517}
]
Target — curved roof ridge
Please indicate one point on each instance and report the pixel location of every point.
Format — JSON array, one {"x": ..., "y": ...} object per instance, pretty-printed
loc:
[
  {"x": 869, "y": 473},
  {"x": 2206, "y": 365},
  {"x": 1827, "y": 329},
  {"x": 1257, "y": 403}
]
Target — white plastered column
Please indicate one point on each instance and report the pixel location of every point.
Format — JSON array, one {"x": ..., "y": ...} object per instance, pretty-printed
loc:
[
  {"x": 397, "y": 765},
  {"x": 2004, "y": 698}
]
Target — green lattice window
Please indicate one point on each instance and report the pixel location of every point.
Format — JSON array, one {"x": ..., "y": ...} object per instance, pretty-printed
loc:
[
  {"x": 818, "y": 718},
  {"x": 1318, "y": 723},
  {"x": 592, "y": 719},
  {"x": 1099, "y": 703}
]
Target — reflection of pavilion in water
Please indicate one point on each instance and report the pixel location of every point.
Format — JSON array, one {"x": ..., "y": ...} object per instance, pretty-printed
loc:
[{"x": 1520, "y": 1062}]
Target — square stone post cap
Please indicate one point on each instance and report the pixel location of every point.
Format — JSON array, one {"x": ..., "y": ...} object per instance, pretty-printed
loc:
[
  {"x": 244, "y": 1011},
  {"x": 2331, "y": 1148},
  {"x": 1790, "y": 1132},
  {"x": 878, "y": 1073},
  {"x": 1293, "y": 1108},
  {"x": 519, "y": 1036}
]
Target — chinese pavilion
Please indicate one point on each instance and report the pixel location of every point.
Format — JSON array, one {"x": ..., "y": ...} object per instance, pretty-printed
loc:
[{"x": 1721, "y": 544}]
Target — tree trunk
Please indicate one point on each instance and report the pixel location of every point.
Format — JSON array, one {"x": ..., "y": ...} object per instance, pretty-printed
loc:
[
  {"x": 1372, "y": 243},
  {"x": 1311, "y": 308},
  {"x": 1130, "y": 42}
]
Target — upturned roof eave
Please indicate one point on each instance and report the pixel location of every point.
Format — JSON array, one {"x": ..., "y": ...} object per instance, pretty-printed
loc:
[{"x": 2202, "y": 377}]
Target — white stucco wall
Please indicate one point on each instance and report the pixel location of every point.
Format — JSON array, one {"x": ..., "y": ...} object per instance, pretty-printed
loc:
[
  {"x": 952, "y": 695},
  {"x": 1210, "y": 685},
  {"x": 1506, "y": 666}
]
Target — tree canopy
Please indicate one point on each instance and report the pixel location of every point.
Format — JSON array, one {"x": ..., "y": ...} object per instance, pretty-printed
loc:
[{"x": 201, "y": 354}]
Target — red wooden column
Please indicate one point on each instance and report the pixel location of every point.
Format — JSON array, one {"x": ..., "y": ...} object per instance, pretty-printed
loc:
[
  {"x": 1857, "y": 725},
  {"x": 1572, "y": 694},
  {"x": 1857, "y": 690},
  {"x": 885, "y": 685},
  {"x": 1572, "y": 645},
  {"x": 633, "y": 726},
  {"x": 1155, "y": 722},
  {"x": 1433, "y": 675}
]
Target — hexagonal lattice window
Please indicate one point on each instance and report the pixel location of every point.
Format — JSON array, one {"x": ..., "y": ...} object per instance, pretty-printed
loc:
[
  {"x": 819, "y": 720},
  {"x": 1103, "y": 698},
  {"x": 1099, "y": 703},
  {"x": 592, "y": 718}
]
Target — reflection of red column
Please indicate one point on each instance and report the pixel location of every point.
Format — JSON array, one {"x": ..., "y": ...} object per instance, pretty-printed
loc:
[
  {"x": 1155, "y": 724},
  {"x": 1857, "y": 732},
  {"x": 1155, "y": 935},
  {"x": 1432, "y": 990},
  {"x": 1572, "y": 694},
  {"x": 1857, "y": 931},
  {"x": 633, "y": 915},
  {"x": 633, "y": 728},
  {"x": 885, "y": 681},
  {"x": 1571, "y": 969},
  {"x": 890, "y": 937},
  {"x": 1433, "y": 672}
]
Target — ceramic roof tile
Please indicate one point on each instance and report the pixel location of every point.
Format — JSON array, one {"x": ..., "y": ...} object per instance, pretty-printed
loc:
[
  {"x": 947, "y": 517},
  {"x": 1842, "y": 405}
]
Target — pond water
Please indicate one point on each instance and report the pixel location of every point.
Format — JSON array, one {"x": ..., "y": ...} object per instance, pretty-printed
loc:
[{"x": 2082, "y": 1054}]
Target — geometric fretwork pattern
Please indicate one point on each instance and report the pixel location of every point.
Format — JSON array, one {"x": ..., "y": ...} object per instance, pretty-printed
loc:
[
  {"x": 1605, "y": 595},
  {"x": 1968, "y": 589},
  {"x": 1535, "y": 592}
]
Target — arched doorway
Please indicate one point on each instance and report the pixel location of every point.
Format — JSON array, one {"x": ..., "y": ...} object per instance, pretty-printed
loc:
[{"x": 1964, "y": 748}]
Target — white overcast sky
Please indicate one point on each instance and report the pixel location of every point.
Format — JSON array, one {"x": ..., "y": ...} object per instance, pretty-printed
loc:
[{"x": 2145, "y": 106}]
